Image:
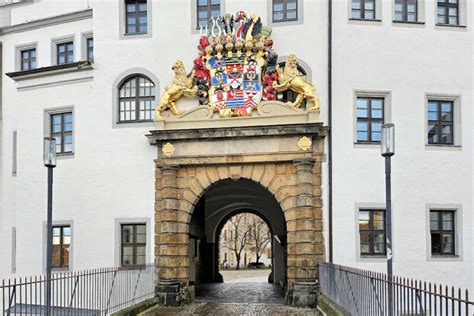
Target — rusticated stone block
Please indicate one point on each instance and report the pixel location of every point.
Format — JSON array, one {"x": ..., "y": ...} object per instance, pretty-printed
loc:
[
  {"x": 268, "y": 175},
  {"x": 173, "y": 250},
  {"x": 201, "y": 176},
  {"x": 235, "y": 172},
  {"x": 303, "y": 200},
  {"x": 212, "y": 174},
  {"x": 280, "y": 169},
  {"x": 247, "y": 171},
  {"x": 303, "y": 236},
  {"x": 169, "y": 204},
  {"x": 300, "y": 225},
  {"x": 257, "y": 172},
  {"x": 223, "y": 172},
  {"x": 173, "y": 262},
  {"x": 188, "y": 195},
  {"x": 173, "y": 227},
  {"x": 306, "y": 249},
  {"x": 173, "y": 239}
]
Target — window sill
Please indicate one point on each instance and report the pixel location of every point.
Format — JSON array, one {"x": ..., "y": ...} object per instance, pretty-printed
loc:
[
  {"x": 370, "y": 145},
  {"x": 365, "y": 20},
  {"x": 59, "y": 270},
  {"x": 135, "y": 35},
  {"x": 408, "y": 22},
  {"x": 444, "y": 258},
  {"x": 451, "y": 25},
  {"x": 50, "y": 70},
  {"x": 65, "y": 156},
  {"x": 373, "y": 256},
  {"x": 443, "y": 147}
]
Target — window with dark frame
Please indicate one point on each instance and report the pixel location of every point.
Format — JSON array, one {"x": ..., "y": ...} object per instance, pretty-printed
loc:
[
  {"x": 136, "y": 99},
  {"x": 285, "y": 10},
  {"x": 28, "y": 59},
  {"x": 64, "y": 53},
  {"x": 133, "y": 244},
  {"x": 205, "y": 10},
  {"x": 61, "y": 246},
  {"x": 136, "y": 17},
  {"x": 61, "y": 130},
  {"x": 448, "y": 12},
  {"x": 370, "y": 118},
  {"x": 363, "y": 9},
  {"x": 442, "y": 229},
  {"x": 90, "y": 49},
  {"x": 372, "y": 232},
  {"x": 440, "y": 122},
  {"x": 406, "y": 11},
  {"x": 289, "y": 95}
]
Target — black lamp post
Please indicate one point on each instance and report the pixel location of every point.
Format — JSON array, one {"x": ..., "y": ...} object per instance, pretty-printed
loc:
[
  {"x": 388, "y": 150},
  {"x": 49, "y": 162}
]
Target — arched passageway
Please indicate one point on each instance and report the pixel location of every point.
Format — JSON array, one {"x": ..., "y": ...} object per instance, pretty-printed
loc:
[
  {"x": 203, "y": 175},
  {"x": 221, "y": 201}
]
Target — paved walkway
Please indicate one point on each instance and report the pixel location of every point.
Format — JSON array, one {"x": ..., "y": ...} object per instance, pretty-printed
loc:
[
  {"x": 232, "y": 309},
  {"x": 251, "y": 275},
  {"x": 243, "y": 292}
]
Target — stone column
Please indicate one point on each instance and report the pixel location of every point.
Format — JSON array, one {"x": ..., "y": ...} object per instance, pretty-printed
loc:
[
  {"x": 171, "y": 240},
  {"x": 302, "y": 249}
]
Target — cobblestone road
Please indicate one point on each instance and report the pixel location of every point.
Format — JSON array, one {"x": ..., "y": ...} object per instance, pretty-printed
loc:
[{"x": 239, "y": 298}]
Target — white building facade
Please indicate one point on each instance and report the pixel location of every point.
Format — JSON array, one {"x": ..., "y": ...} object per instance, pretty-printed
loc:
[{"x": 64, "y": 64}]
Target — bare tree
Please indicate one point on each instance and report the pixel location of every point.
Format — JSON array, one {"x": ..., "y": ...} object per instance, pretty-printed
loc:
[
  {"x": 260, "y": 236},
  {"x": 241, "y": 234}
]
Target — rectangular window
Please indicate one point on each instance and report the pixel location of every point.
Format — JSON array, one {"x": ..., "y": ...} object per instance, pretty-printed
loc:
[
  {"x": 285, "y": 10},
  {"x": 61, "y": 245},
  {"x": 442, "y": 232},
  {"x": 440, "y": 122},
  {"x": 136, "y": 16},
  {"x": 28, "y": 59},
  {"x": 207, "y": 9},
  {"x": 133, "y": 244},
  {"x": 406, "y": 10},
  {"x": 61, "y": 130},
  {"x": 370, "y": 117},
  {"x": 14, "y": 154},
  {"x": 448, "y": 12},
  {"x": 372, "y": 232},
  {"x": 64, "y": 53},
  {"x": 90, "y": 49},
  {"x": 363, "y": 9}
]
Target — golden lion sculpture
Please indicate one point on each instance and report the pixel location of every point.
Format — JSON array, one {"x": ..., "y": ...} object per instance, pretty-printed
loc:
[
  {"x": 290, "y": 78},
  {"x": 182, "y": 85}
]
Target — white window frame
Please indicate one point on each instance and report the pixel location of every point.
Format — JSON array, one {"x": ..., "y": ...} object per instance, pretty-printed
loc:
[
  {"x": 298, "y": 21},
  {"x": 458, "y": 232},
  {"x": 22, "y": 47},
  {"x": 457, "y": 121},
  {"x": 71, "y": 245},
  {"x": 420, "y": 12},
  {"x": 61, "y": 40},
  {"x": 368, "y": 206},
  {"x": 122, "y": 22},
  {"x": 194, "y": 26},
  {"x": 378, "y": 14},
  {"x": 47, "y": 127},
  {"x": 84, "y": 37},
  {"x": 462, "y": 16},
  {"x": 118, "y": 237},
  {"x": 387, "y": 112}
]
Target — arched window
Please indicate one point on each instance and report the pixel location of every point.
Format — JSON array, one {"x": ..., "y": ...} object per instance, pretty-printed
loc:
[
  {"x": 136, "y": 99},
  {"x": 290, "y": 95}
]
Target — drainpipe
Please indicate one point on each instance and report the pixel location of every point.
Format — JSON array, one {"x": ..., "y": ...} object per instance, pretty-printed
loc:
[{"x": 330, "y": 196}]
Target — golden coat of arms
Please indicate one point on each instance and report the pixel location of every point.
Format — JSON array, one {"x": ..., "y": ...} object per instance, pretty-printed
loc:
[{"x": 236, "y": 69}]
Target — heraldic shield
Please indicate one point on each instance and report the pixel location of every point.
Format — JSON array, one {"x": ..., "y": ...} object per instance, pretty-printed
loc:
[{"x": 235, "y": 88}]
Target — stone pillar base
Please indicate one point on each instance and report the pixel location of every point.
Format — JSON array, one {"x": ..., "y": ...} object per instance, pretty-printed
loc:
[
  {"x": 303, "y": 294},
  {"x": 172, "y": 293}
]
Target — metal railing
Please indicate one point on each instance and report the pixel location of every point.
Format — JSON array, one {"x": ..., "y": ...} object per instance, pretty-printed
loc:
[
  {"x": 90, "y": 292},
  {"x": 362, "y": 292}
]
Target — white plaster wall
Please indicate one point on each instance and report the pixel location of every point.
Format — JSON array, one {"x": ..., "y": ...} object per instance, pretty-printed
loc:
[
  {"x": 409, "y": 62},
  {"x": 111, "y": 174}
]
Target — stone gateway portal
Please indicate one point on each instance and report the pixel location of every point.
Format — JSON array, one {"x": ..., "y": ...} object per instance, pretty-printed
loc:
[
  {"x": 204, "y": 175},
  {"x": 240, "y": 149}
]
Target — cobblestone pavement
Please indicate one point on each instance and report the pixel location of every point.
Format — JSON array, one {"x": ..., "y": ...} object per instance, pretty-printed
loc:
[
  {"x": 252, "y": 309},
  {"x": 241, "y": 298},
  {"x": 240, "y": 293}
]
